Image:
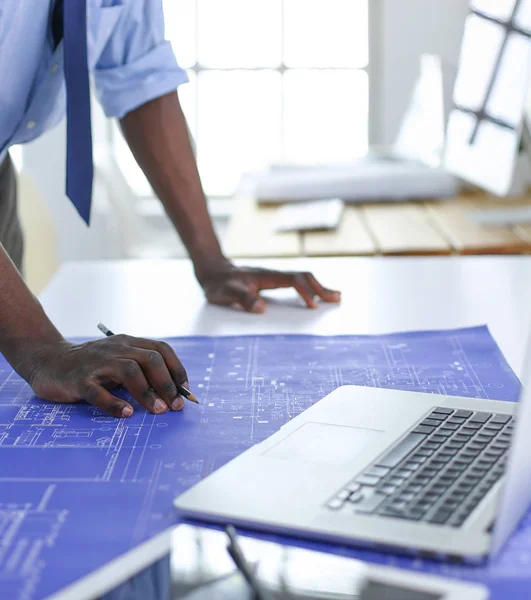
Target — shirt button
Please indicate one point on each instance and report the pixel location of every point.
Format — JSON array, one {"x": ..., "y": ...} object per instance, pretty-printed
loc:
[
  {"x": 55, "y": 66},
  {"x": 31, "y": 124}
]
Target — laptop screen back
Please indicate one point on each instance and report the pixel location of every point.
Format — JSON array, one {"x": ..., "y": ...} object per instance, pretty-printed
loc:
[{"x": 516, "y": 492}]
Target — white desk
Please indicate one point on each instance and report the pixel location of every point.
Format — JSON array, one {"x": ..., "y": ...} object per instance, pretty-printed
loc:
[{"x": 162, "y": 299}]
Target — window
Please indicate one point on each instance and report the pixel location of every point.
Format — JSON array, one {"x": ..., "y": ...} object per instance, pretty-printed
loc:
[{"x": 270, "y": 80}]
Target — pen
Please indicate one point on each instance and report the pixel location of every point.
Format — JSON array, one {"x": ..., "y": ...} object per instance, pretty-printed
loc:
[
  {"x": 235, "y": 552},
  {"x": 180, "y": 388}
]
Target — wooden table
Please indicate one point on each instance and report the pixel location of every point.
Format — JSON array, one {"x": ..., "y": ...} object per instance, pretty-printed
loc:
[{"x": 404, "y": 228}]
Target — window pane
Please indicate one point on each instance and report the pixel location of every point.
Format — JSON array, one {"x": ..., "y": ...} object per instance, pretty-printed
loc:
[
  {"x": 495, "y": 8},
  {"x": 481, "y": 47},
  {"x": 239, "y": 125},
  {"x": 325, "y": 115},
  {"x": 240, "y": 33},
  {"x": 331, "y": 33},
  {"x": 179, "y": 17}
]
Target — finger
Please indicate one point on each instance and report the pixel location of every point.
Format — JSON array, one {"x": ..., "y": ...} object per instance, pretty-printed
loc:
[
  {"x": 156, "y": 372},
  {"x": 238, "y": 295},
  {"x": 323, "y": 293},
  {"x": 247, "y": 297},
  {"x": 131, "y": 376},
  {"x": 173, "y": 364},
  {"x": 305, "y": 290},
  {"x": 99, "y": 397}
]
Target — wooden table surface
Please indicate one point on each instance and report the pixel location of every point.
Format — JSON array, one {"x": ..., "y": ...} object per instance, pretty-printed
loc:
[{"x": 390, "y": 229}]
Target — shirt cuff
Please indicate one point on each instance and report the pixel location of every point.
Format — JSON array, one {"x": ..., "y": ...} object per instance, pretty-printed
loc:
[{"x": 124, "y": 88}]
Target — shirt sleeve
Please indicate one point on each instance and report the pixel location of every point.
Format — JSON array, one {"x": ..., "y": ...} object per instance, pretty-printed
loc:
[{"x": 136, "y": 64}]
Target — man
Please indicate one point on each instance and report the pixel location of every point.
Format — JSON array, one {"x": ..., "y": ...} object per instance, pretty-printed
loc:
[{"x": 47, "y": 48}]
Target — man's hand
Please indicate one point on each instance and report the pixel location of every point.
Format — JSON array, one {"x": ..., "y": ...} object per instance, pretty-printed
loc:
[
  {"x": 149, "y": 370},
  {"x": 228, "y": 285}
]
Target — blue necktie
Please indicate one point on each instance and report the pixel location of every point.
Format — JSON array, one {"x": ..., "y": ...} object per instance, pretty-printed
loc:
[{"x": 79, "y": 165}]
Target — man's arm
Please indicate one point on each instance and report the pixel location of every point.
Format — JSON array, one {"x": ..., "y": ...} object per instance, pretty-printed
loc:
[
  {"x": 158, "y": 137},
  {"x": 60, "y": 371}
]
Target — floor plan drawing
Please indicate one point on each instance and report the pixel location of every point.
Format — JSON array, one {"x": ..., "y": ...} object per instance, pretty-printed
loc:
[{"x": 71, "y": 476}]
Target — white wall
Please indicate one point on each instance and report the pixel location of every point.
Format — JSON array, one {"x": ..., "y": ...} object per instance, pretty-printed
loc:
[
  {"x": 402, "y": 30},
  {"x": 44, "y": 163}
]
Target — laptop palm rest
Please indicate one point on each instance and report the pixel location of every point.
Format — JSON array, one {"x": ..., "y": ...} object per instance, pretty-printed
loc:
[{"x": 323, "y": 443}]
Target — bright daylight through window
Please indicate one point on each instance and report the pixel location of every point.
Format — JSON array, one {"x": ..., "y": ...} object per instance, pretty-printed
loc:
[{"x": 270, "y": 80}]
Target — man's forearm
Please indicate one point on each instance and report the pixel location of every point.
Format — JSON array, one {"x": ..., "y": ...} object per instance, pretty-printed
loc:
[
  {"x": 24, "y": 327},
  {"x": 158, "y": 137}
]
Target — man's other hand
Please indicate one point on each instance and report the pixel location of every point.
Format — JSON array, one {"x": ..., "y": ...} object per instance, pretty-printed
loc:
[
  {"x": 240, "y": 287},
  {"x": 149, "y": 370}
]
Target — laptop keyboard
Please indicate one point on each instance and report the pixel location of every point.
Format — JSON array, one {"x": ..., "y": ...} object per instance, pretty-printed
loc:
[{"x": 438, "y": 473}]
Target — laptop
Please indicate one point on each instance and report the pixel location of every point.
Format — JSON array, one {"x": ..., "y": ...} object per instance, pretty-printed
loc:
[{"x": 438, "y": 476}]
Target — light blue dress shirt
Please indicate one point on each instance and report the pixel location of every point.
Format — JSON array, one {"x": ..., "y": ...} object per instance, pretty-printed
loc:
[{"x": 129, "y": 59}]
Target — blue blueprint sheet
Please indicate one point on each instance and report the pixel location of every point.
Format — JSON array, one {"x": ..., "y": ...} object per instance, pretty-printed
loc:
[{"x": 78, "y": 488}]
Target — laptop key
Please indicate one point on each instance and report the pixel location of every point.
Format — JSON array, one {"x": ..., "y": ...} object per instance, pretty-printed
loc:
[
  {"x": 353, "y": 487},
  {"x": 412, "y": 466},
  {"x": 424, "y": 429},
  {"x": 437, "y": 417},
  {"x": 496, "y": 426},
  {"x": 457, "y": 420},
  {"x": 452, "y": 426},
  {"x": 465, "y": 414},
  {"x": 448, "y": 451},
  {"x": 425, "y": 453},
  {"x": 431, "y": 445},
  {"x": 473, "y": 425},
  {"x": 377, "y": 471},
  {"x": 396, "y": 481},
  {"x": 480, "y": 417},
  {"x": 401, "y": 450},
  {"x": 443, "y": 410},
  {"x": 488, "y": 432},
  {"x": 335, "y": 504},
  {"x": 444, "y": 432},
  {"x": 415, "y": 459},
  {"x": 431, "y": 422},
  {"x": 368, "y": 479},
  {"x": 467, "y": 432},
  {"x": 370, "y": 503},
  {"x": 356, "y": 497},
  {"x": 403, "y": 473},
  {"x": 503, "y": 419},
  {"x": 440, "y": 517}
]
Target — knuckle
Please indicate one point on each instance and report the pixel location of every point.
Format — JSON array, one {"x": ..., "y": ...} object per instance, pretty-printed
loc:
[
  {"x": 131, "y": 369},
  {"x": 148, "y": 394},
  {"x": 169, "y": 389},
  {"x": 164, "y": 348},
  {"x": 155, "y": 358}
]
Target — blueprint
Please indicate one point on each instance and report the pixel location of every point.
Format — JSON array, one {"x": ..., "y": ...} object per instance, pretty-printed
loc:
[{"x": 79, "y": 488}]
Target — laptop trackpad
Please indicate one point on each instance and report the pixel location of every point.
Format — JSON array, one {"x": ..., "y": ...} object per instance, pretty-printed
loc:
[{"x": 323, "y": 443}]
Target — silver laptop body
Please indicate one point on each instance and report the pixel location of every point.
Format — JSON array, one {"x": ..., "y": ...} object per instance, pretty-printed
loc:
[{"x": 359, "y": 465}]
